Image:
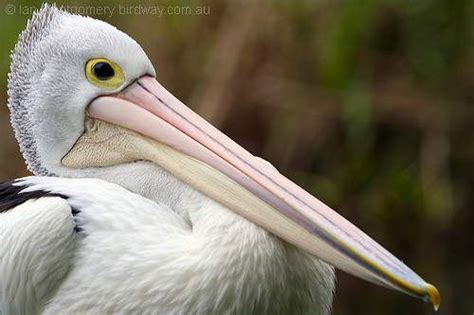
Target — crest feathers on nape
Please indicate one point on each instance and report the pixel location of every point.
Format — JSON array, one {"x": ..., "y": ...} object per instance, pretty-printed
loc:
[{"x": 38, "y": 26}]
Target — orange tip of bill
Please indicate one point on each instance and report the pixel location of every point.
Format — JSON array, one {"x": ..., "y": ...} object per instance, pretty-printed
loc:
[{"x": 434, "y": 296}]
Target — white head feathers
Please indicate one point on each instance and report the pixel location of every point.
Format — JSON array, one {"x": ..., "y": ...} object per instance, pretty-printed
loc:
[{"x": 47, "y": 88}]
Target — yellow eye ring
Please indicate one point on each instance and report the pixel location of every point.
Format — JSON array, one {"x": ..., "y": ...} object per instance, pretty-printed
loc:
[{"x": 104, "y": 73}]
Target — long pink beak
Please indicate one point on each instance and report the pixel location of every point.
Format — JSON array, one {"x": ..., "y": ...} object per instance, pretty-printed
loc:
[{"x": 149, "y": 109}]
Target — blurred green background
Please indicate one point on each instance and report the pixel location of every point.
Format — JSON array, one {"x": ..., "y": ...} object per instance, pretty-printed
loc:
[{"x": 369, "y": 105}]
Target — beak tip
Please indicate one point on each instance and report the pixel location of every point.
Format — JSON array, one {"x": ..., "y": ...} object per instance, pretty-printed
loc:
[{"x": 434, "y": 296}]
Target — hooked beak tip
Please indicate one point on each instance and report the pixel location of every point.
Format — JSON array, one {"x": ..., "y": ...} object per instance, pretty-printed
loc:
[{"x": 433, "y": 296}]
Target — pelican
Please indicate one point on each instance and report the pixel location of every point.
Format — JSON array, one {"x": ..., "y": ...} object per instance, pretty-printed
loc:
[{"x": 139, "y": 206}]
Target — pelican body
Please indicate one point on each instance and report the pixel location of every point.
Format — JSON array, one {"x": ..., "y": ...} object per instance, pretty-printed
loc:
[{"x": 139, "y": 206}]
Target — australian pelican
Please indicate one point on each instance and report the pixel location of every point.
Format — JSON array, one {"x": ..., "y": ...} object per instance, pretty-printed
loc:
[{"x": 140, "y": 206}]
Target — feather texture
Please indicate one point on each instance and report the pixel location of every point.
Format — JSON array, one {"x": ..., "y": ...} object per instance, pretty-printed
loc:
[
  {"x": 11, "y": 196},
  {"x": 23, "y": 72},
  {"x": 38, "y": 245},
  {"x": 139, "y": 256}
]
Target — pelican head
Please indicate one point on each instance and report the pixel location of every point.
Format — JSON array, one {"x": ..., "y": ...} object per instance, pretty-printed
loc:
[
  {"x": 83, "y": 95},
  {"x": 49, "y": 89}
]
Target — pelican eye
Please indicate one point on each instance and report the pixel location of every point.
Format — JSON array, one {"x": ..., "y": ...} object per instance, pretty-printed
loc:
[{"x": 104, "y": 73}]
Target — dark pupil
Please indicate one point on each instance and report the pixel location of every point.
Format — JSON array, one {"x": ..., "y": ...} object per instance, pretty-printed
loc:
[{"x": 103, "y": 71}]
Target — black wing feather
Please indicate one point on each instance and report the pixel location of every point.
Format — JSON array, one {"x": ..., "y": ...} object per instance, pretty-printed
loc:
[{"x": 11, "y": 196}]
